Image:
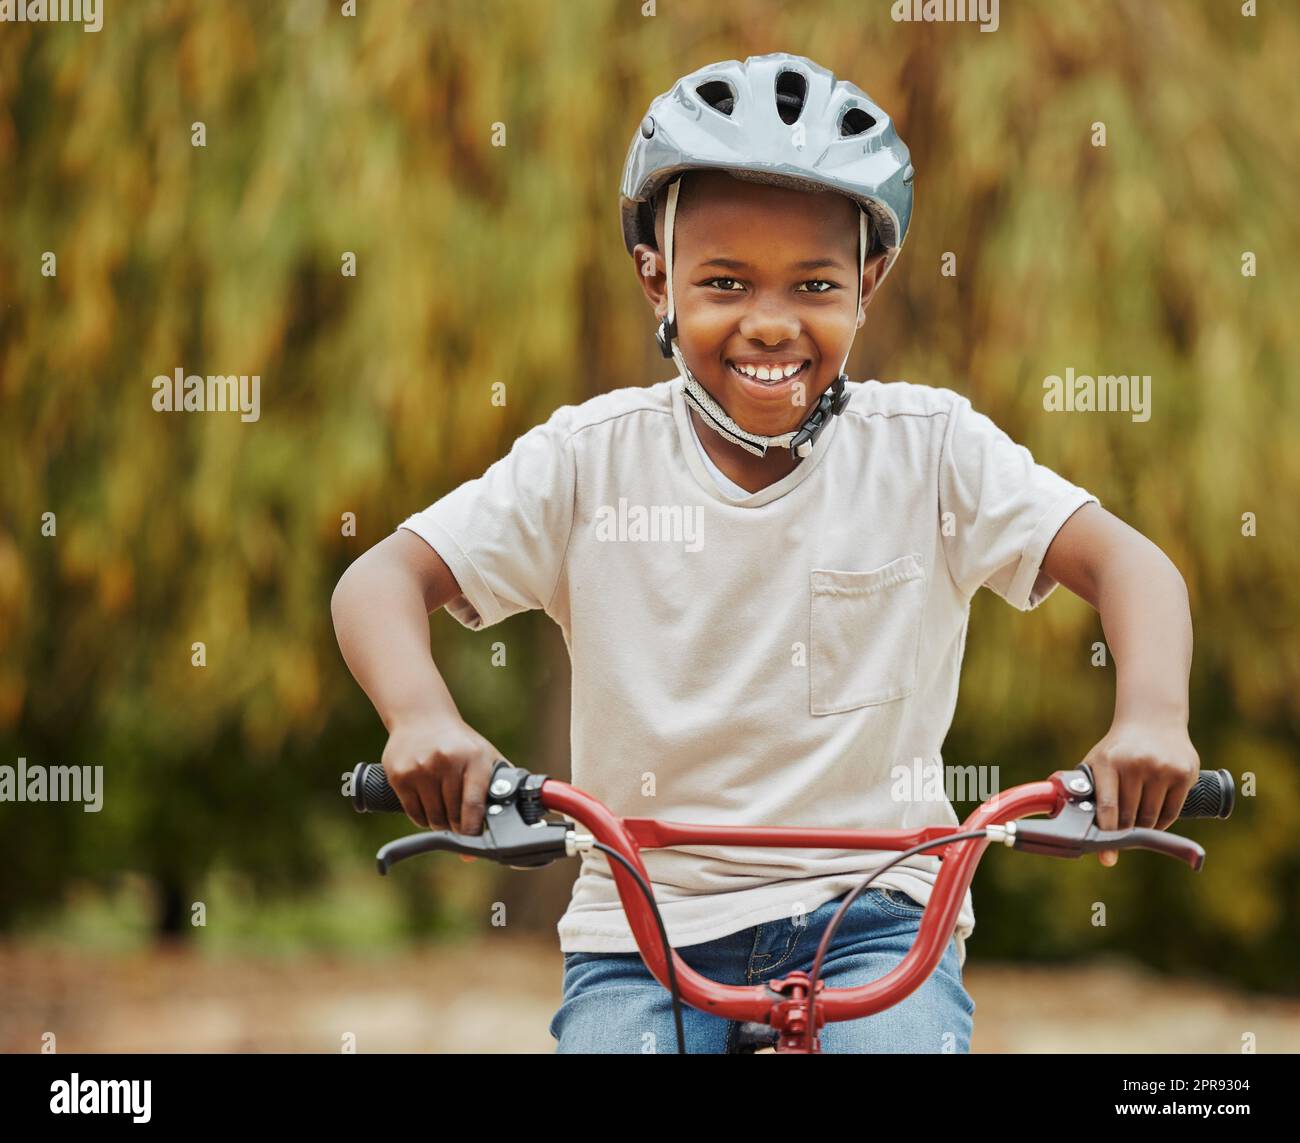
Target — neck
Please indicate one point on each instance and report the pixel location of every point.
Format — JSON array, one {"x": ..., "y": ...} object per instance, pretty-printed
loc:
[{"x": 752, "y": 473}]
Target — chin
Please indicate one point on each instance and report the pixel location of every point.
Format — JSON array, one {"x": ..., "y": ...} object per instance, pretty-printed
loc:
[{"x": 768, "y": 409}]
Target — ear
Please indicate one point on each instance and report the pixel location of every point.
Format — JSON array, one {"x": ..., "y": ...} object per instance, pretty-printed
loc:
[
  {"x": 872, "y": 271},
  {"x": 650, "y": 272}
]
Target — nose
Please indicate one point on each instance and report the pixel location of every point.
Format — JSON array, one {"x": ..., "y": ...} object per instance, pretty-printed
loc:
[{"x": 769, "y": 321}]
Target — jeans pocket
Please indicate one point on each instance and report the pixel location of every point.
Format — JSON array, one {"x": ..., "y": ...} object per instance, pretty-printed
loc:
[
  {"x": 900, "y": 904},
  {"x": 865, "y": 636}
]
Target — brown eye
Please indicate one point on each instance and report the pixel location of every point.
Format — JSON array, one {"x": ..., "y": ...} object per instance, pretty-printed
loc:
[
  {"x": 711, "y": 281},
  {"x": 820, "y": 281}
]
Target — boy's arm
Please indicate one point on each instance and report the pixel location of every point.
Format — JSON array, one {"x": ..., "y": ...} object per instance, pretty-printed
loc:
[
  {"x": 438, "y": 766},
  {"x": 490, "y": 548},
  {"x": 381, "y": 610},
  {"x": 1146, "y": 763}
]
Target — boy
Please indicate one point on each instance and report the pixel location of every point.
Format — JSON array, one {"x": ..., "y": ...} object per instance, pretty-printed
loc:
[{"x": 763, "y": 573}]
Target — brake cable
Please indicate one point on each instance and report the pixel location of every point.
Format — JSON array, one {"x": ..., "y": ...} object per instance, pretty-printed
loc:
[
  {"x": 834, "y": 923},
  {"x": 663, "y": 936}
]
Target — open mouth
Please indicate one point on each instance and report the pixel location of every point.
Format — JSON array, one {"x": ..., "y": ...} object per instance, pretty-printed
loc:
[{"x": 774, "y": 377}]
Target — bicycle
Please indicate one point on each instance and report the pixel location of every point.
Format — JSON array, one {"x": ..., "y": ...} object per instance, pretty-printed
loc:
[{"x": 786, "y": 1013}]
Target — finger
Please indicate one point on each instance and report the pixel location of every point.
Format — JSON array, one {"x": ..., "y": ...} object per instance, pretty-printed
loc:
[
  {"x": 1129, "y": 793},
  {"x": 451, "y": 783},
  {"x": 1106, "y": 797},
  {"x": 412, "y": 808},
  {"x": 409, "y": 798},
  {"x": 1130, "y": 796},
  {"x": 1175, "y": 796},
  {"x": 431, "y": 799},
  {"x": 1166, "y": 817},
  {"x": 474, "y": 798},
  {"x": 1153, "y": 800}
]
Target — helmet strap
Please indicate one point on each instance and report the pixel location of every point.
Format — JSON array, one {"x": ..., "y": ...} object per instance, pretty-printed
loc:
[
  {"x": 800, "y": 441},
  {"x": 831, "y": 403}
]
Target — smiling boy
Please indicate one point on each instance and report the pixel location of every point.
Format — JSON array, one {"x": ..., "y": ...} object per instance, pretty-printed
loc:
[{"x": 780, "y": 670}]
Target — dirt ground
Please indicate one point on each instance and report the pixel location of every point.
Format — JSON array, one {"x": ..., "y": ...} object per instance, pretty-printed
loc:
[{"x": 484, "y": 997}]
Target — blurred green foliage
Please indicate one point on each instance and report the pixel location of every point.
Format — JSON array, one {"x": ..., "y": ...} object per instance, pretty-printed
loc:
[{"x": 479, "y": 264}]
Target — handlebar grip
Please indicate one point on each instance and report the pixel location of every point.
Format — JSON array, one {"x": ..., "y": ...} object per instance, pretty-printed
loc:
[
  {"x": 371, "y": 793},
  {"x": 1213, "y": 796}
]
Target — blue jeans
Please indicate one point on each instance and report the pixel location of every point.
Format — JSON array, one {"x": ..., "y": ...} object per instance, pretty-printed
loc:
[{"x": 612, "y": 1004}]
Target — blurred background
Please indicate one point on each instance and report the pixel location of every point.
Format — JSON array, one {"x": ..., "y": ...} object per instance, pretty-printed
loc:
[{"x": 478, "y": 264}]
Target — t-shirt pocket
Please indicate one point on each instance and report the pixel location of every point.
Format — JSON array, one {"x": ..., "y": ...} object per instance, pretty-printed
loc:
[{"x": 866, "y": 635}]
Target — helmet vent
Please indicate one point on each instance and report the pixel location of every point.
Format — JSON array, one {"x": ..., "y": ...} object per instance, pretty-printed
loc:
[
  {"x": 791, "y": 91},
  {"x": 719, "y": 95},
  {"x": 855, "y": 122}
]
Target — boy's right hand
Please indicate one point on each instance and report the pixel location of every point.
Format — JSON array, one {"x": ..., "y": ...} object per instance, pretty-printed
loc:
[{"x": 440, "y": 770}]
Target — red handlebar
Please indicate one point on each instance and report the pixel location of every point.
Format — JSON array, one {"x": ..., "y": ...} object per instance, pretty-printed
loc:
[
  {"x": 517, "y": 835},
  {"x": 781, "y": 1002}
]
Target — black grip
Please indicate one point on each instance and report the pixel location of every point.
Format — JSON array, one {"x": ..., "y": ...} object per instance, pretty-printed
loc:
[
  {"x": 371, "y": 793},
  {"x": 1213, "y": 796}
]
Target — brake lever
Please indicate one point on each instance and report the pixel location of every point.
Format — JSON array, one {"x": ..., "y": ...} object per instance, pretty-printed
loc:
[
  {"x": 513, "y": 830},
  {"x": 1072, "y": 838},
  {"x": 480, "y": 845},
  {"x": 1158, "y": 840},
  {"x": 1073, "y": 831}
]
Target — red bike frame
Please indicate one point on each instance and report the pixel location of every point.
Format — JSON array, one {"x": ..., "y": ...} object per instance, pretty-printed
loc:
[{"x": 783, "y": 1003}]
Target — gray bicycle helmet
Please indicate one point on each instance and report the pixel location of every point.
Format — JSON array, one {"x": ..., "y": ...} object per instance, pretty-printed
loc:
[{"x": 779, "y": 119}]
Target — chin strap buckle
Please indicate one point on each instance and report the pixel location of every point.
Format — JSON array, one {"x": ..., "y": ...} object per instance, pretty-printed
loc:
[
  {"x": 664, "y": 336},
  {"x": 831, "y": 404}
]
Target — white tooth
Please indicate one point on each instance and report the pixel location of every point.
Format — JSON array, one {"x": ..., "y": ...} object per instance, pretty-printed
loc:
[
  {"x": 791, "y": 370},
  {"x": 762, "y": 373}
]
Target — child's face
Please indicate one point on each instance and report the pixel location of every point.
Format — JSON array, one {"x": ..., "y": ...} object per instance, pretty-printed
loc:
[{"x": 761, "y": 274}]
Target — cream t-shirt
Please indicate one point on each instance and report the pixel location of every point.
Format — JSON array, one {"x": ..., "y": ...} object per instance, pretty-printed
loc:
[
  {"x": 768, "y": 660},
  {"x": 732, "y": 490}
]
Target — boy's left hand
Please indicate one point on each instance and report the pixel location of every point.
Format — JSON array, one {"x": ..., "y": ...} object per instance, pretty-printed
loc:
[{"x": 1143, "y": 770}]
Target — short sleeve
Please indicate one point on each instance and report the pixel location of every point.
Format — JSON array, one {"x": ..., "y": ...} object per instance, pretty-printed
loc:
[
  {"x": 999, "y": 509},
  {"x": 504, "y": 534}
]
